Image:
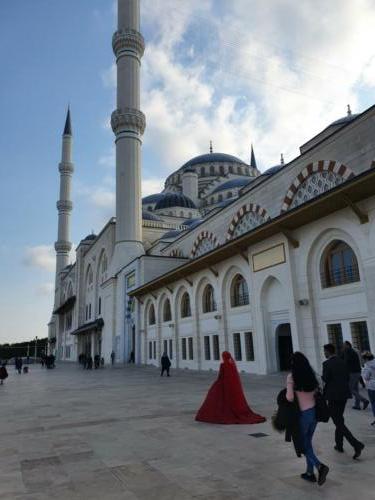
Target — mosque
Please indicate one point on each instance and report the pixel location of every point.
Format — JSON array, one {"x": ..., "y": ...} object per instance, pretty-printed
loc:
[{"x": 226, "y": 257}]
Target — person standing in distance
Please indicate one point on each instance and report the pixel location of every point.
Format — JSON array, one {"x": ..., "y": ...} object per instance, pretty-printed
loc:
[
  {"x": 337, "y": 392},
  {"x": 165, "y": 364},
  {"x": 353, "y": 365},
  {"x": 368, "y": 375}
]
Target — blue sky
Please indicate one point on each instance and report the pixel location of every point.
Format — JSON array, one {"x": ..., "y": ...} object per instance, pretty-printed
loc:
[{"x": 273, "y": 74}]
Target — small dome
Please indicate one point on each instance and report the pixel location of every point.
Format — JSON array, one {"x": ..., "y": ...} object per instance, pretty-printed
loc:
[
  {"x": 343, "y": 120},
  {"x": 212, "y": 157},
  {"x": 171, "y": 200},
  {"x": 232, "y": 183},
  {"x": 90, "y": 237},
  {"x": 273, "y": 170},
  {"x": 152, "y": 198},
  {"x": 150, "y": 216}
]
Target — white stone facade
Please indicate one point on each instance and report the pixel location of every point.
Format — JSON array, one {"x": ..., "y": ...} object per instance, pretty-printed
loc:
[{"x": 287, "y": 261}]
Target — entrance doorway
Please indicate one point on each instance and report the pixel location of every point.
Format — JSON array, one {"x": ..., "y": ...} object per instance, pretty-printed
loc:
[{"x": 284, "y": 346}]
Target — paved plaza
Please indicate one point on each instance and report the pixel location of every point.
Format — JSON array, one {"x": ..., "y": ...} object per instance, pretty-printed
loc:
[{"x": 126, "y": 433}]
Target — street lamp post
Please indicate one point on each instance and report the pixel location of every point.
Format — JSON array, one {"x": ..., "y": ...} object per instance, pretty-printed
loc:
[{"x": 36, "y": 348}]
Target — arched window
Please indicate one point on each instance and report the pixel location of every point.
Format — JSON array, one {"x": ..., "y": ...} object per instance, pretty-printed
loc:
[
  {"x": 220, "y": 197},
  {"x": 239, "y": 170},
  {"x": 339, "y": 265},
  {"x": 203, "y": 172},
  {"x": 212, "y": 200},
  {"x": 181, "y": 213},
  {"x": 212, "y": 170},
  {"x": 151, "y": 315},
  {"x": 208, "y": 300},
  {"x": 230, "y": 169},
  {"x": 167, "y": 314},
  {"x": 221, "y": 169},
  {"x": 229, "y": 194},
  {"x": 239, "y": 293},
  {"x": 149, "y": 208},
  {"x": 185, "y": 306}
]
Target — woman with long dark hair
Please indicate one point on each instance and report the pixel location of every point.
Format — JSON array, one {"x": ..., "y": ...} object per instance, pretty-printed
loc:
[{"x": 302, "y": 384}]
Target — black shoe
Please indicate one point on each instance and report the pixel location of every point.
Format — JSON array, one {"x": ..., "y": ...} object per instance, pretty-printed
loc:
[
  {"x": 365, "y": 404},
  {"x": 322, "y": 474},
  {"x": 356, "y": 407},
  {"x": 340, "y": 449},
  {"x": 309, "y": 477},
  {"x": 358, "y": 450}
]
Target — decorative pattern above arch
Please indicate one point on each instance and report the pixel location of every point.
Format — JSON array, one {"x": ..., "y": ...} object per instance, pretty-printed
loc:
[
  {"x": 205, "y": 242},
  {"x": 315, "y": 179},
  {"x": 247, "y": 217}
]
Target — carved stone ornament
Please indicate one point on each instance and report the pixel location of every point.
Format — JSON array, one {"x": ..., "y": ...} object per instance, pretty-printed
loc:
[
  {"x": 128, "y": 118},
  {"x": 64, "y": 205},
  {"x": 126, "y": 39},
  {"x": 66, "y": 167},
  {"x": 63, "y": 246}
]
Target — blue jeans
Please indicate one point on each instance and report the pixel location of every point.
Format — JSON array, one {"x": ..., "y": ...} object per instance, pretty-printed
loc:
[
  {"x": 307, "y": 426},
  {"x": 371, "y": 396}
]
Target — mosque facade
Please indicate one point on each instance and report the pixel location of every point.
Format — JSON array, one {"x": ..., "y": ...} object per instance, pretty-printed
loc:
[{"x": 226, "y": 257}]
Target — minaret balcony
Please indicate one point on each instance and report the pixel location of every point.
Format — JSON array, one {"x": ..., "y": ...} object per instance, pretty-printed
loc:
[
  {"x": 126, "y": 40},
  {"x": 64, "y": 206},
  {"x": 128, "y": 119}
]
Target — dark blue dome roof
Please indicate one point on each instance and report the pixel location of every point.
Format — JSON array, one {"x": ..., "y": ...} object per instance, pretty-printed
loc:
[
  {"x": 344, "y": 120},
  {"x": 190, "y": 223},
  {"x": 149, "y": 216},
  {"x": 273, "y": 170},
  {"x": 172, "y": 234},
  {"x": 211, "y": 157},
  {"x": 232, "y": 183},
  {"x": 171, "y": 200},
  {"x": 152, "y": 198},
  {"x": 90, "y": 237}
]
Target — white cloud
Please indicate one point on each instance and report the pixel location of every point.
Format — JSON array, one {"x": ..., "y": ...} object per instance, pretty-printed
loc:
[
  {"x": 368, "y": 74},
  {"x": 151, "y": 186},
  {"x": 41, "y": 257},
  {"x": 44, "y": 257},
  {"x": 45, "y": 289}
]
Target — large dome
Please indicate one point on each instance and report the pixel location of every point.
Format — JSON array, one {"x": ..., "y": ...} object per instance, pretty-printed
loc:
[
  {"x": 152, "y": 198},
  {"x": 212, "y": 157},
  {"x": 344, "y": 120},
  {"x": 170, "y": 200}
]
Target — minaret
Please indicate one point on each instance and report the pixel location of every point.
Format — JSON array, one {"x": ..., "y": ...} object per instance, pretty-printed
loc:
[
  {"x": 128, "y": 124},
  {"x": 253, "y": 162},
  {"x": 63, "y": 244}
]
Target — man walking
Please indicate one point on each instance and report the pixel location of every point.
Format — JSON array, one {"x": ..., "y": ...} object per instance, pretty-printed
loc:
[
  {"x": 112, "y": 357},
  {"x": 336, "y": 391},
  {"x": 353, "y": 365},
  {"x": 165, "y": 364}
]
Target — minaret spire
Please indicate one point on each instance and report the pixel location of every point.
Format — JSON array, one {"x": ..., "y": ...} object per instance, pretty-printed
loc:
[
  {"x": 128, "y": 124},
  {"x": 68, "y": 124},
  {"x": 253, "y": 162},
  {"x": 64, "y": 205},
  {"x": 211, "y": 148}
]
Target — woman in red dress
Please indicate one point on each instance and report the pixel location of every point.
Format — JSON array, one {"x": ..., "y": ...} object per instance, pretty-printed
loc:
[{"x": 225, "y": 402}]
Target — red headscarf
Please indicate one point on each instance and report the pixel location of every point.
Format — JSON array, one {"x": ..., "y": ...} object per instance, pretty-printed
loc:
[{"x": 225, "y": 402}]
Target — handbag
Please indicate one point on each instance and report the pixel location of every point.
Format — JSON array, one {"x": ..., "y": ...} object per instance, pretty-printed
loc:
[{"x": 321, "y": 407}]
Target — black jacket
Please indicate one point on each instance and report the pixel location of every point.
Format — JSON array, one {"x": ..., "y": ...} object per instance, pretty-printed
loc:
[
  {"x": 288, "y": 418},
  {"x": 336, "y": 379},
  {"x": 165, "y": 363},
  {"x": 352, "y": 361}
]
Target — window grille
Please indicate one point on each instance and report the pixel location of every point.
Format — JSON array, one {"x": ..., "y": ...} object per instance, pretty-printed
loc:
[
  {"x": 183, "y": 348},
  {"x": 335, "y": 336},
  {"x": 207, "y": 349},
  {"x": 360, "y": 336},
  {"x": 237, "y": 346},
  {"x": 216, "y": 348},
  {"x": 191, "y": 352},
  {"x": 249, "y": 346}
]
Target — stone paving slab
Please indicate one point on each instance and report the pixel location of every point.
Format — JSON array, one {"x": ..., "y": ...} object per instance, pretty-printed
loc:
[{"x": 125, "y": 433}]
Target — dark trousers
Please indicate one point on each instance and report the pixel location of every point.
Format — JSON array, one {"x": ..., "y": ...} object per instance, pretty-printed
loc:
[
  {"x": 371, "y": 395},
  {"x": 164, "y": 369},
  {"x": 336, "y": 410}
]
